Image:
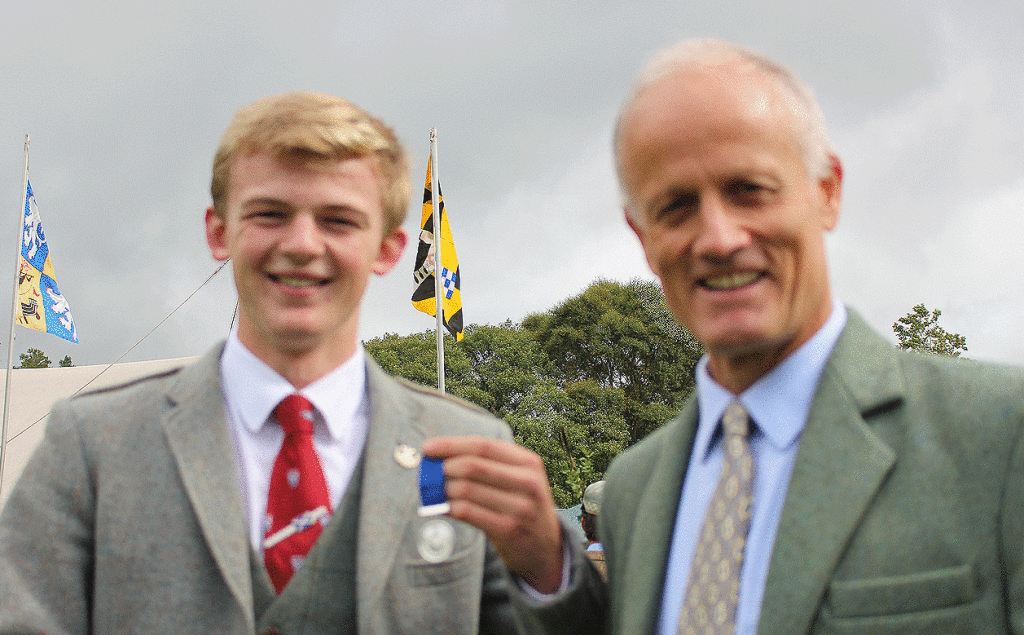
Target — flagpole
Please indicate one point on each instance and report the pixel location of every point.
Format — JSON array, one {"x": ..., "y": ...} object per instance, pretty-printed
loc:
[
  {"x": 14, "y": 312},
  {"x": 438, "y": 303}
]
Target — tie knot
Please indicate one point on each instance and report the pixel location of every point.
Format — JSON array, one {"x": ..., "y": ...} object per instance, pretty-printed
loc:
[
  {"x": 295, "y": 414},
  {"x": 735, "y": 421}
]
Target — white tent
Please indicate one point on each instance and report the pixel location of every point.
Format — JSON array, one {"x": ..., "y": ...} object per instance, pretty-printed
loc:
[{"x": 34, "y": 391}]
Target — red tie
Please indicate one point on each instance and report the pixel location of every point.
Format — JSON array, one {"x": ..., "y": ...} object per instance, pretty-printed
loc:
[{"x": 298, "y": 504}]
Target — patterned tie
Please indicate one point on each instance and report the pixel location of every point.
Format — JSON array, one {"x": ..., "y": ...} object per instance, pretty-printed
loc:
[
  {"x": 712, "y": 593},
  {"x": 298, "y": 504}
]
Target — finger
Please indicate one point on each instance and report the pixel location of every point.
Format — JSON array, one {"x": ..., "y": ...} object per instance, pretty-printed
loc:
[
  {"x": 499, "y": 498},
  {"x": 507, "y": 518},
  {"x": 527, "y": 476},
  {"x": 493, "y": 449},
  {"x": 526, "y": 535},
  {"x": 499, "y": 519}
]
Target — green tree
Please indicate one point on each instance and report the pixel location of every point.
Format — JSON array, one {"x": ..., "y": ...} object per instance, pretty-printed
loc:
[
  {"x": 507, "y": 364},
  {"x": 34, "y": 358},
  {"x": 414, "y": 357},
  {"x": 618, "y": 336},
  {"x": 919, "y": 331},
  {"x": 66, "y": 362},
  {"x": 576, "y": 384}
]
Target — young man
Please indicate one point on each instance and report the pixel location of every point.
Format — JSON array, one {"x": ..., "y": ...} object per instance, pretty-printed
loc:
[
  {"x": 819, "y": 480},
  {"x": 186, "y": 502}
]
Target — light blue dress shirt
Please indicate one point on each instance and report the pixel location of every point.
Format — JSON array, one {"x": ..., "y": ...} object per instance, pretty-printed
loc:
[{"x": 778, "y": 404}]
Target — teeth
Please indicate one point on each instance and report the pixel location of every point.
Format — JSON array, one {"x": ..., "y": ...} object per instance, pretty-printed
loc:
[
  {"x": 731, "y": 281},
  {"x": 297, "y": 282}
]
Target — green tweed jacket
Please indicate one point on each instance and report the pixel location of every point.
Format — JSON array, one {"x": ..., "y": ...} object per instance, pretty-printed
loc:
[{"x": 905, "y": 512}]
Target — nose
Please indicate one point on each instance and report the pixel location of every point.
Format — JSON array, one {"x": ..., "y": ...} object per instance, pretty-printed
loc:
[
  {"x": 721, "y": 233},
  {"x": 302, "y": 239}
]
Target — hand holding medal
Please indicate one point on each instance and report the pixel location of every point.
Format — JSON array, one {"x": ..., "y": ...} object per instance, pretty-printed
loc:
[{"x": 502, "y": 489}]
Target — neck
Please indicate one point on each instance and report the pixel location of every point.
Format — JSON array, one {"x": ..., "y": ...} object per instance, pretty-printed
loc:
[
  {"x": 737, "y": 370},
  {"x": 736, "y": 373},
  {"x": 301, "y": 366}
]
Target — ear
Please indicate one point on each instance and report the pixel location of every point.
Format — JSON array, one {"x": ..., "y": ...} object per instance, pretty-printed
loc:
[
  {"x": 216, "y": 230},
  {"x": 832, "y": 193},
  {"x": 391, "y": 248},
  {"x": 638, "y": 229}
]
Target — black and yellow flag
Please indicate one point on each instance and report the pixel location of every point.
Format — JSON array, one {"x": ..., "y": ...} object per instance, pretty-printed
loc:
[{"x": 423, "y": 273}]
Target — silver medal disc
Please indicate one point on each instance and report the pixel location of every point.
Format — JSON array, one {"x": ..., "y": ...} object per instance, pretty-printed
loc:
[{"x": 437, "y": 540}]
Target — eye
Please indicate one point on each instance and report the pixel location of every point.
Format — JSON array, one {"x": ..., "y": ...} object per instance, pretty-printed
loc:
[
  {"x": 678, "y": 208},
  {"x": 266, "y": 216},
  {"x": 748, "y": 193},
  {"x": 341, "y": 221}
]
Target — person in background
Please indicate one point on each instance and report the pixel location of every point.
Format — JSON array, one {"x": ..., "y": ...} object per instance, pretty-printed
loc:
[{"x": 590, "y": 508}]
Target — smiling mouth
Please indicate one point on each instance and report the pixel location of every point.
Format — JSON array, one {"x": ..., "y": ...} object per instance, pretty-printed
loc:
[
  {"x": 730, "y": 281},
  {"x": 299, "y": 283}
]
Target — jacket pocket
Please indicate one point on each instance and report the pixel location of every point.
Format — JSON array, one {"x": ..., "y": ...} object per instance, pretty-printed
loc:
[
  {"x": 941, "y": 600},
  {"x": 936, "y": 589},
  {"x": 458, "y": 566}
]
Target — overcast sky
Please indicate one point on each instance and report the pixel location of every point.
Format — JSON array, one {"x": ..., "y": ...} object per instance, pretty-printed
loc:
[{"x": 125, "y": 103}]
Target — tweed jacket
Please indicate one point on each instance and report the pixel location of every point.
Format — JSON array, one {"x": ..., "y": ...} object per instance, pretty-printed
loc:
[
  {"x": 904, "y": 513},
  {"x": 128, "y": 517}
]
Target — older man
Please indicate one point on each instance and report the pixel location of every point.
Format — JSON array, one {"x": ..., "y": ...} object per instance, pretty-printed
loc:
[{"x": 819, "y": 481}]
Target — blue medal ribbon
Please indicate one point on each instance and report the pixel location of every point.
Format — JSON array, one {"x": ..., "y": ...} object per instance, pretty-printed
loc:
[{"x": 433, "y": 497}]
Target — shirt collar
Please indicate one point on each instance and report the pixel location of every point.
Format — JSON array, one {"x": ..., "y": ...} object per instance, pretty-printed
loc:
[
  {"x": 779, "y": 401},
  {"x": 255, "y": 389}
]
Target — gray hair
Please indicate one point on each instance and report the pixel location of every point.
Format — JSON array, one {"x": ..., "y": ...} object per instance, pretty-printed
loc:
[{"x": 709, "y": 53}]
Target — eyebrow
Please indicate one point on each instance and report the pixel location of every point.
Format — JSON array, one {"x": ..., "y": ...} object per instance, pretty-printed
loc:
[{"x": 265, "y": 200}]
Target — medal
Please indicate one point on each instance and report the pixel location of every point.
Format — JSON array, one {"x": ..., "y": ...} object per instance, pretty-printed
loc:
[
  {"x": 433, "y": 498},
  {"x": 437, "y": 540}
]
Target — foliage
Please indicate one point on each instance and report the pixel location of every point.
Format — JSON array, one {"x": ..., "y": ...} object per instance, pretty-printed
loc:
[
  {"x": 414, "y": 357},
  {"x": 66, "y": 362},
  {"x": 34, "y": 358},
  {"x": 616, "y": 335},
  {"x": 576, "y": 384},
  {"x": 507, "y": 365},
  {"x": 919, "y": 331}
]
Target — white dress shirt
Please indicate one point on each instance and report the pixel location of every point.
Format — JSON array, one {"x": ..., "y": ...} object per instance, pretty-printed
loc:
[
  {"x": 778, "y": 404},
  {"x": 251, "y": 392}
]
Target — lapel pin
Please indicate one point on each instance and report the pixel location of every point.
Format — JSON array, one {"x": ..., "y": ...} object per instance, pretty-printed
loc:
[{"x": 407, "y": 456}]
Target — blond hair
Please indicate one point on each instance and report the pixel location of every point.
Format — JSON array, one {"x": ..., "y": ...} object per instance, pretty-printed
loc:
[{"x": 318, "y": 130}]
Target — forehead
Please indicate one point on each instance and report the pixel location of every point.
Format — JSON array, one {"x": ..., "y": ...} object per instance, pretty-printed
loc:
[
  {"x": 304, "y": 180},
  {"x": 696, "y": 111}
]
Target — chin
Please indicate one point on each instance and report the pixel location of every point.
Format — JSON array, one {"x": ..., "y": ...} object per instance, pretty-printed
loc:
[
  {"x": 750, "y": 345},
  {"x": 738, "y": 338},
  {"x": 294, "y": 333},
  {"x": 733, "y": 331}
]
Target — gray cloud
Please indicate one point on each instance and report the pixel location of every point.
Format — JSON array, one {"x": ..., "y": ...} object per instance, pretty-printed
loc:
[{"x": 125, "y": 107}]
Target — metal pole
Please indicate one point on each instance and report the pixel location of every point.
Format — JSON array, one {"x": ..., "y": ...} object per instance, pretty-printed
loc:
[
  {"x": 14, "y": 313},
  {"x": 438, "y": 303}
]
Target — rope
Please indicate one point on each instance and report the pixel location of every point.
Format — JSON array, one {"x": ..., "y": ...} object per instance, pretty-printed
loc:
[{"x": 86, "y": 385}]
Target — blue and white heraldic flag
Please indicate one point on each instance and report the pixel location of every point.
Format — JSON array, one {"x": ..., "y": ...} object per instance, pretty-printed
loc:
[{"x": 41, "y": 305}]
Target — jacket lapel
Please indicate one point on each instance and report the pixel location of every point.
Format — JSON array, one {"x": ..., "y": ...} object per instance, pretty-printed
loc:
[
  {"x": 390, "y": 495},
  {"x": 647, "y": 557},
  {"x": 839, "y": 468},
  {"x": 198, "y": 435}
]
